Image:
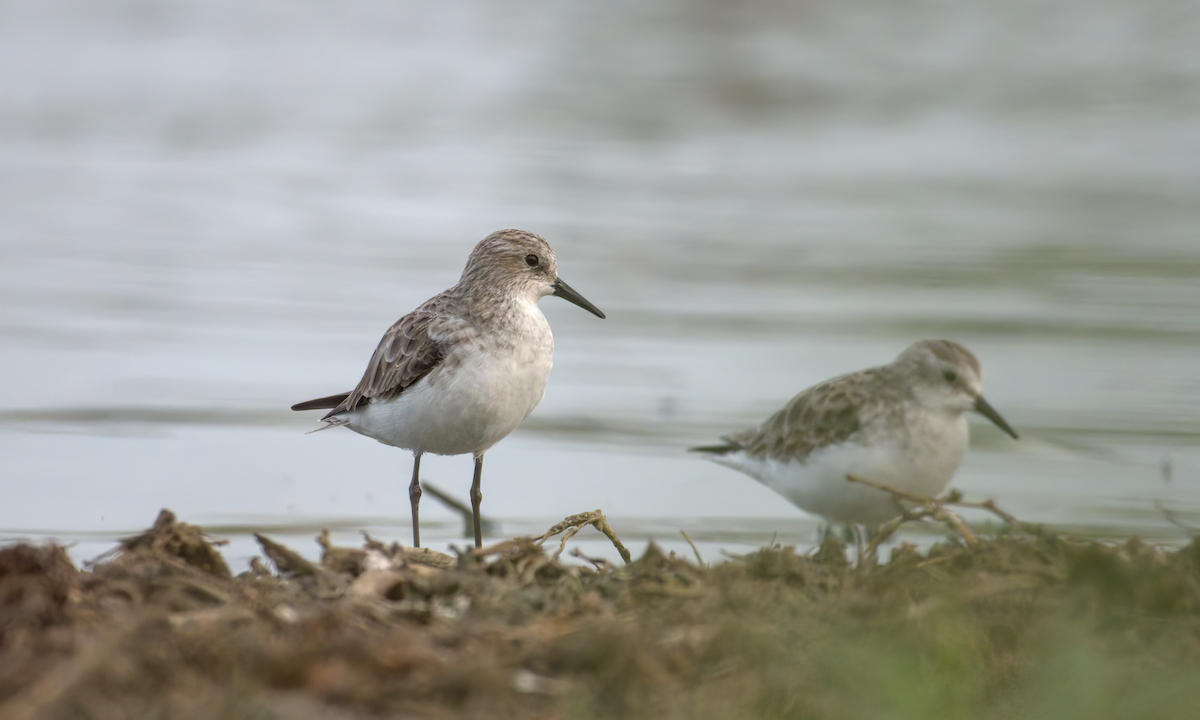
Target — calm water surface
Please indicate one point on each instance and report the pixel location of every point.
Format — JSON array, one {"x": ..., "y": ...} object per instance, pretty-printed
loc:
[{"x": 212, "y": 210}]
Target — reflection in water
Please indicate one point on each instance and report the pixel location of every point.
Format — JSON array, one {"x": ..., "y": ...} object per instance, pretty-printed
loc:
[{"x": 207, "y": 211}]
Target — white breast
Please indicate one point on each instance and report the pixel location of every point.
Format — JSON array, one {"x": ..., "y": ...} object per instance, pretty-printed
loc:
[{"x": 479, "y": 393}]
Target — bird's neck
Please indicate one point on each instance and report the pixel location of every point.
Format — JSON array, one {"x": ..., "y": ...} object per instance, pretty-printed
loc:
[{"x": 500, "y": 311}]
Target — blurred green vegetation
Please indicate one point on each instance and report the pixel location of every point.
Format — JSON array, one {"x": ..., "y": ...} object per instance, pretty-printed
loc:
[{"x": 1016, "y": 628}]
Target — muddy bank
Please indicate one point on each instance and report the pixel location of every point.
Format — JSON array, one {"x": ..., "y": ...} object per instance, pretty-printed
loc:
[{"x": 1012, "y": 627}]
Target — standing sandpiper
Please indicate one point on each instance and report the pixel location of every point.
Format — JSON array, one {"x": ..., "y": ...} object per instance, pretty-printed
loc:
[
  {"x": 900, "y": 425},
  {"x": 460, "y": 372}
]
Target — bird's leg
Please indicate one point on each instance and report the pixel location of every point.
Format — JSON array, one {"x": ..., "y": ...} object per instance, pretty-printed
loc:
[
  {"x": 414, "y": 498},
  {"x": 476, "y": 499}
]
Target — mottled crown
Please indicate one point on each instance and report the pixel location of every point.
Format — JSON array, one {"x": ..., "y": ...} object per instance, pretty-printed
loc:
[
  {"x": 502, "y": 254},
  {"x": 930, "y": 358},
  {"x": 946, "y": 351}
]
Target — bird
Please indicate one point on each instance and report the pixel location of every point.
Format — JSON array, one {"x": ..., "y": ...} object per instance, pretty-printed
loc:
[
  {"x": 464, "y": 369},
  {"x": 901, "y": 425}
]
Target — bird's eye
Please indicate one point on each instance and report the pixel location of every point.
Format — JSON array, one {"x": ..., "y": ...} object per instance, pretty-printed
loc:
[
  {"x": 531, "y": 260},
  {"x": 950, "y": 375}
]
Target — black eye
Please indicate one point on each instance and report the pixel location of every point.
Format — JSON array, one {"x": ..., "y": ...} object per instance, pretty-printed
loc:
[
  {"x": 531, "y": 260},
  {"x": 950, "y": 375}
]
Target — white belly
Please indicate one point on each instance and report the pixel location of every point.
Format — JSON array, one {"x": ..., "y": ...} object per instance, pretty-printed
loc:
[
  {"x": 819, "y": 485},
  {"x": 466, "y": 405}
]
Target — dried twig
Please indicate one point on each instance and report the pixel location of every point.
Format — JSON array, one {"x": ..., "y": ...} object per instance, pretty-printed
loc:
[
  {"x": 699, "y": 560},
  {"x": 599, "y": 562},
  {"x": 939, "y": 509},
  {"x": 896, "y": 492},
  {"x": 464, "y": 511},
  {"x": 500, "y": 547},
  {"x": 287, "y": 561},
  {"x": 575, "y": 523},
  {"x": 955, "y": 498},
  {"x": 885, "y": 532},
  {"x": 990, "y": 506},
  {"x": 927, "y": 507},
  {"x": 566, "y": 536},
  {"x": 951, "y": 518},
  {"x": 603, "y": 527}
]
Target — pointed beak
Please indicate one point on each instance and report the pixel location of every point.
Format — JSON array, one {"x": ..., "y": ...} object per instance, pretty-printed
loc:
[
  {"x": 564, "y": 291},
  {"x": 985, "y": 409}
]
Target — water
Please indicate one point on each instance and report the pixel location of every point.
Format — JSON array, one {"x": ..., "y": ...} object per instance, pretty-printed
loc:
[{"x": 212, "y": 210}]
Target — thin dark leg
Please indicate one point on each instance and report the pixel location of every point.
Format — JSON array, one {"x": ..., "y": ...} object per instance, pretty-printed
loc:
[
  {"x": 476, "y": 499},
  {"x": 414, "y": 498}
]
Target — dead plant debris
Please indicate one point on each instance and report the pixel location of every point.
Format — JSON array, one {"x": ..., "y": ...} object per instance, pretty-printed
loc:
[{"x": 1007, "y": 627}]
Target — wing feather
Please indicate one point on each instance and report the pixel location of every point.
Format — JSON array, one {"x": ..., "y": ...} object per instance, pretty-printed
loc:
[
  {"x": 830, "y": 413},
  {"x": 410, "y": 349}
]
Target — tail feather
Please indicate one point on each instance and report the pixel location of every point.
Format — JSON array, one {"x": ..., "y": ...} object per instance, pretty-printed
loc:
[
  {"x": 322, "y": 403},
  {"x": 716, "y": 449}
]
